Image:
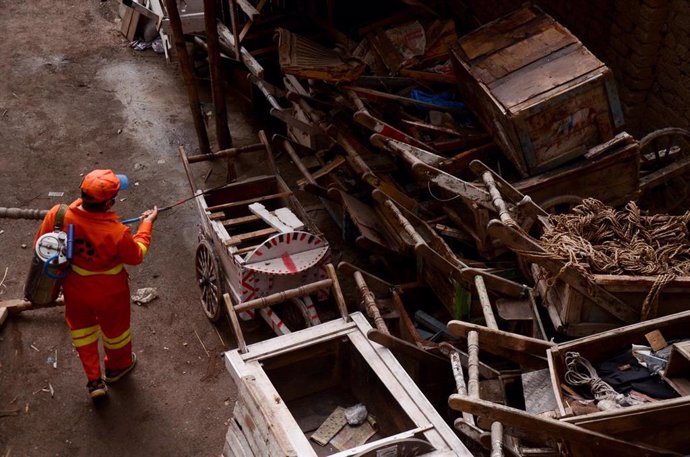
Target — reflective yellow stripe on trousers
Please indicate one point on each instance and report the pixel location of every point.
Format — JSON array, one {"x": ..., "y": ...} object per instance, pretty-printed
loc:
[
  {"x": 83, "y": 336},
  {"x": 84, "y": 272},
  {"x": 118, "y": 341}
]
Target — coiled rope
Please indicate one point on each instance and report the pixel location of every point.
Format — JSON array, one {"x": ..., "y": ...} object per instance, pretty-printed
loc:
[{"x": 580, "y": 372}]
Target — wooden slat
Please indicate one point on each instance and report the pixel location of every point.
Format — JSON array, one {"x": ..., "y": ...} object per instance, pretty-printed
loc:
[
  {"x": 501, "y": 32},
  {"x": 248, "y": 9},
  {"x": 522, "y": 53},
  {"x": 237, "y": 239},
  {"x": 263, "y": 198},
  {"x": 239, "y": 220},
  {"x": 539, "y": 77},
  {"x": 245, "y": 250}
]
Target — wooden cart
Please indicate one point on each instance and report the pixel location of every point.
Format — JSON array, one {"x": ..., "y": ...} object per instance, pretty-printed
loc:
[
  {"x": 290, "y": 388},
  {"x": 578, "y": 305},
  {"x": 259, "y": 245},
  {"x": 661, "y": 423}
]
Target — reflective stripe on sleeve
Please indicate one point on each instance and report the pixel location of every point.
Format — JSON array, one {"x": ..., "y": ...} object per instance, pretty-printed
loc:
[
  {"x": 84, "y": 272},
  {"x": 83, "y": 336},
  {"x": 144, "y": 249},
  {"x": 118, "y": 341}
]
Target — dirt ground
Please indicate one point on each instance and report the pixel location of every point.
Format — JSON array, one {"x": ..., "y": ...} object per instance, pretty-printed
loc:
[{"x": 73, "y": 97}]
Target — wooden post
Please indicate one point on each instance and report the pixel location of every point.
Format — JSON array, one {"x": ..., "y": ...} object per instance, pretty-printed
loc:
[
  {"x": 496, "y": 439},
  {"x": 235, "y": 28},
  {"x": 337, "y": 292},
  {"x": 223, "y": 137},
  {"x": 489, "y": 317},
  {"x": 188, "y": 76},
  {"x": 459, "y": 376},
  {"x": 473, "y": 365},
  {"x": 370, "y": 303}
]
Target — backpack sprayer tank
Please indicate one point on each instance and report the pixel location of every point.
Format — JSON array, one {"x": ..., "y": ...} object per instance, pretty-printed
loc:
[{"x": 50, "y": 264}]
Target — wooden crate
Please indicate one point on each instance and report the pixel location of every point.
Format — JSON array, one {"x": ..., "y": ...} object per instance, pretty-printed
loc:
[{"x": 543, "y": 96}]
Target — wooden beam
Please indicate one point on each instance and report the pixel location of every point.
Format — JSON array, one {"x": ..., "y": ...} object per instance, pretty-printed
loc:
[
  {"x": 188, "y": 76},
  {"x": 223, "y": 137},
  {"x": 549, "y": 430}
]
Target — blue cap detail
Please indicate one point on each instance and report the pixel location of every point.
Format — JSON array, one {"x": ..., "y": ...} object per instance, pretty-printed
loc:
[{"x": 124, "y": 182}]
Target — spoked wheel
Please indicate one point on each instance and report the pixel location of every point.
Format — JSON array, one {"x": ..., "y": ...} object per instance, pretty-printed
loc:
[
  {"x": 294, "y": 314},
  {"x": 664, "y": 157},
  {"x": 208, "y": 277}
]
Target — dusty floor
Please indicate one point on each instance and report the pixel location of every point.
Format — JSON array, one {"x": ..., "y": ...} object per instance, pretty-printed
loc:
[{"x": 73, "y": 97}]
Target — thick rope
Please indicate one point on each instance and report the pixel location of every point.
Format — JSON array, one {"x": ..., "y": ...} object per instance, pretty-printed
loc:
[{"x": 598, "y": 239}]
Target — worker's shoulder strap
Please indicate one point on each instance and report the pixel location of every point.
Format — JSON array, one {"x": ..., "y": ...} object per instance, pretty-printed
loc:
[{"x": 60, "y": 216}]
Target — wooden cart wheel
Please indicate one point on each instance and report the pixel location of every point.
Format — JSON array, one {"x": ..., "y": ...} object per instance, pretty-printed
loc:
[
  {"x": 294, "y": 314},
  {"x": 662, "y": 149},
  {"x": 208, "y": 276}
]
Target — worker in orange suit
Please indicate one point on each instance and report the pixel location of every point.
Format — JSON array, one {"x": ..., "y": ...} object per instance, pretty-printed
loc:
[{"x": 96, "y": 290}]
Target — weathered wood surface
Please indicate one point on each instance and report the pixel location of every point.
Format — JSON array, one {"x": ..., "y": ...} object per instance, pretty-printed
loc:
[
  {"x": 264, "y": 408},
  {"x": 520, "y": 74},
  {"x": 659, "y": 423},
  {"x": 582, "y": 442}
]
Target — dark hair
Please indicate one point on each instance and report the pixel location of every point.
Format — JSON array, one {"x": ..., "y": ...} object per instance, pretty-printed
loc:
[{"x": 93, "y": 207}]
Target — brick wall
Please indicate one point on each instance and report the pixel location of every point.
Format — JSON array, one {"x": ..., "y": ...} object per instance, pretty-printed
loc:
[{"x": 646, "y": 43}]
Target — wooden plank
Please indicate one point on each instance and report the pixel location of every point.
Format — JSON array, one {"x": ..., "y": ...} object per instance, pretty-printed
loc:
[
  {"x": 3, "y": 315},
  {"x": 141, "y": 9},
  {"x": 330, "y": 427},
  {"x": 237, "y": 220},
  {"x": 237, "y": 239},
  {"x": 248, "y": 9},
  {"x": 500, "y": 32},
  {"x": 524, "y": 52},
  {"x": 262, "y": 198},
  {"x": 261, "y": 211},
  {"x": 539, "y": 428},
  {"x": 498, "y": 338},
  {"x": 540, "y": 77},
  {"x": 287, "y": 217}
]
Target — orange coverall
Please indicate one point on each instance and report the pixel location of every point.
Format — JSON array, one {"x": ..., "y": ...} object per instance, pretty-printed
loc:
[{"x": 96, "y": 291}]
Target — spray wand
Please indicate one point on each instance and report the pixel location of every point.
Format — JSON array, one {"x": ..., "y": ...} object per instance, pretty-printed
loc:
[{"x": 166, "y": 208}]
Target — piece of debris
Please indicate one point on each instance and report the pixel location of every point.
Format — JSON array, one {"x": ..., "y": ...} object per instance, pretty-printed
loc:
[
  {"x": 145, "y": 295},
  {"x": 56, "y": 194},
  {"x": 23, "y": 245},
  {"x": 35, "y": 348},
  {"x": 356, "y": 414}
]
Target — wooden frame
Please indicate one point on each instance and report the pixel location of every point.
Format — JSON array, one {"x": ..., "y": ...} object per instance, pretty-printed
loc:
[{"x": 269, "y": 426}]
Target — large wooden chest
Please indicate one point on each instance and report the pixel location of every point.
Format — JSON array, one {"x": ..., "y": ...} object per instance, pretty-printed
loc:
[{"x": 543, "y": 96}]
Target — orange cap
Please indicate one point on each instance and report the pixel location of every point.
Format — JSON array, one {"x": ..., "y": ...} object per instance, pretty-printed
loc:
[{"x": 101, "y": 185}]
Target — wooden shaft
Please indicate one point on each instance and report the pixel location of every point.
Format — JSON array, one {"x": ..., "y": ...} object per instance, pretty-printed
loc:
[
  {"x": 496, "y": 439},
  {"x": 231, "y": 152},
  {"x": 298, "y": 162},
  {"x": 284, "y": 295},
  {"x": 459, "y": 376},
  {"x": 22, "y": 213},
  {"x": 337, "y": 292},
  {"x": 370, "y": 303},
  {"x": 500, "y": 205},
  {"x": 232, "y": 314},
  {"x": 188, "y": 76},
  {"x": 489, "y": 317},
  {"x": 223, "y": 137},
  {"x": 416, "y": 237},
  {"x": 356, "y": 100},
  {"x": 187, "y": 170},
  {"x": 473, "y": 365}
]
